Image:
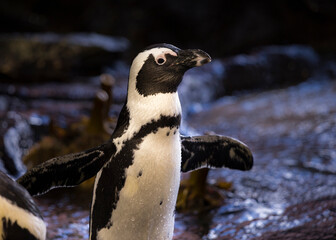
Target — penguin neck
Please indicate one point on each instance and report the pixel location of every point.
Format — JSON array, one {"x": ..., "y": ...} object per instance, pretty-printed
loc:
[{"x": 151, "y": 107}]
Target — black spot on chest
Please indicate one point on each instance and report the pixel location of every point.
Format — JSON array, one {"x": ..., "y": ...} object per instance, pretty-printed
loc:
[
  {"x": 139, "y": 174},
  {"x": 11, "y": 230}
]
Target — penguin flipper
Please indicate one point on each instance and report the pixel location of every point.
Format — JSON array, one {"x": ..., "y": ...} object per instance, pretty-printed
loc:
[
  {"x": 67, "y": 170},
  {"x": 216, "y": 152}
]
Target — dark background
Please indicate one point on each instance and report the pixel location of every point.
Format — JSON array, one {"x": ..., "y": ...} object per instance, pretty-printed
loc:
[
  {"x": 276, "y": 58},
  {"x": 221, "y": 27}
]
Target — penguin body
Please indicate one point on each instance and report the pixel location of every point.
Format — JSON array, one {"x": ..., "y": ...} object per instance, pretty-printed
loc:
[
  {"x": 145, "y": 205},
  {"x": 138, "y": 169},
  {"x": 19, "y": 216},
  {"x": 144, "y": 191}
]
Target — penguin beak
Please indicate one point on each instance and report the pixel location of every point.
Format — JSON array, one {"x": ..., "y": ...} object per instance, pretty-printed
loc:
[{"x": 192, "y": 58}]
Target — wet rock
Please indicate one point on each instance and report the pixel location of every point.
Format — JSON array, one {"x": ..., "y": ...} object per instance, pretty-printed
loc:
[
  {"x": 318, "y": 222},
  {"x": 290, "y": 192},
  {"x": 50, "y": 56}
]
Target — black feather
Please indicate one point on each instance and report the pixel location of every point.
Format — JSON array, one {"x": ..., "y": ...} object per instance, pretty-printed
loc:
[
  {"x": 68, "y": 170},
  {"x": 216, "y": 152}
]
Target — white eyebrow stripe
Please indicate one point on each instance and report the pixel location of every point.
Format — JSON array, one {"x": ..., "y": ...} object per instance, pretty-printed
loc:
[
  {"x": 157, "y": 52},
  {"x": 171, "y": 53}
]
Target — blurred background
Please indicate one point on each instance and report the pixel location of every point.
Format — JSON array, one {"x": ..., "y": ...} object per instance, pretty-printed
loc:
[
  {"x": 63, "y": 77},
  {"x": 221, "y": 27}
]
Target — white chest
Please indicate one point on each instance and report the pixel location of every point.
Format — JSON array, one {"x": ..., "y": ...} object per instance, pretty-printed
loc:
[{"x": 146, "y": 205}]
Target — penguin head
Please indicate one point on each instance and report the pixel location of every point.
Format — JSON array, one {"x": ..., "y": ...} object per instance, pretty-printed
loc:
[{"x": 160, "y": 68}]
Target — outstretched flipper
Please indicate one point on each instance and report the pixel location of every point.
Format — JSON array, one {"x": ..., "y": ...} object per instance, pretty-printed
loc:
[
  {"x": 68, "y": 170},
  {"x": 214, "y": 151}
]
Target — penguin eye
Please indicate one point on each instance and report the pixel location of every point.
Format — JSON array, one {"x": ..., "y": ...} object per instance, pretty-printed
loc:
[{"x": 160, "y": 60}]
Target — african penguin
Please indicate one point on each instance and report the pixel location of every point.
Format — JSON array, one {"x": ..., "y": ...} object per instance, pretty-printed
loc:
[
  {"x": 19, "y": 216},
  {"x": 142, "y": 194},
  {"x": 138, "y": 169}
]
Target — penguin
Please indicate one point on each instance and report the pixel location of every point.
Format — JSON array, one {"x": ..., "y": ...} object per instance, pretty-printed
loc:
[
  {"x": 138, "y": 169},
  {"x": 19, "y": 216}
]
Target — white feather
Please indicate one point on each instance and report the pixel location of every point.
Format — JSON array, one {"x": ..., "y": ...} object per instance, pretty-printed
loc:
[
  {"x": 24, "y": 219},
  {"x": 139, "y": 214}
]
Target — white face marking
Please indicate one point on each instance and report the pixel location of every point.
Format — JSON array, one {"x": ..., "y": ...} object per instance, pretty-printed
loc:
[
  {"x": 161, "y": 52},
  {"x": 24, "y": 219}
]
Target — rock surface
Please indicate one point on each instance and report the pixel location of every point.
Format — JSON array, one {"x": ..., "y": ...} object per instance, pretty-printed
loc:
[
  {"x": 264, "y": 68},
  {"x": 49, "y": 56},
  {"x": 290, "y": 192}
]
